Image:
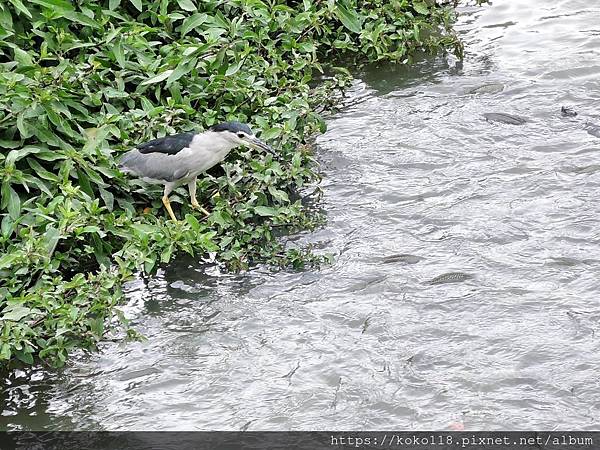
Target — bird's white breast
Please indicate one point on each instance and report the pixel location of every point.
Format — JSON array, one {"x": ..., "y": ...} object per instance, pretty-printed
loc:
[{"x": 205, "y": 151}]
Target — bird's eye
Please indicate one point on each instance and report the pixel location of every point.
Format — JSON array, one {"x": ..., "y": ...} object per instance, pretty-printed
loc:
[{"x": 240, "y": 135}]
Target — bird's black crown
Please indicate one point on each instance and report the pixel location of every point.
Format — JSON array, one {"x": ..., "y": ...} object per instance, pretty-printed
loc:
[{"x": 232, "y": 127}]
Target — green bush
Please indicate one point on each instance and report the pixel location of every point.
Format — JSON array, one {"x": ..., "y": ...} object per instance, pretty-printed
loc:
[{"x": 82, "y": 81}]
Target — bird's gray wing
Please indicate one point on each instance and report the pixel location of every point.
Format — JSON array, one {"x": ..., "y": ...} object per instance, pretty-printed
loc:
[
  {"x": 170, "y": 145},
  {"x": 158, "y": 159},
  {"x": 152, "y": 166}
]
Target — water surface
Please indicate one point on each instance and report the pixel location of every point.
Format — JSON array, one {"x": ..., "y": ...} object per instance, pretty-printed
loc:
[{"x": 465, "y": 287}]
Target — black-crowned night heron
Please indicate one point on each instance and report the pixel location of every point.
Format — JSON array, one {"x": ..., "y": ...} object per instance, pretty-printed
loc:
[{"x": 177, "y": 160}]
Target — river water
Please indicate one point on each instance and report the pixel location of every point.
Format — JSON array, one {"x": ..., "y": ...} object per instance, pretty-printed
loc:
[{"x": 417, "y": 184}]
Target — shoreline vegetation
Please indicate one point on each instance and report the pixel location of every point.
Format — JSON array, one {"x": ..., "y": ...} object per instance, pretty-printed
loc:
[{"x": 82, "y": 82}]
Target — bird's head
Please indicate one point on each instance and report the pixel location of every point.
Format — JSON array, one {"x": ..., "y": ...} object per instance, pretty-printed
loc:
[{"x": 241, "y": 134}]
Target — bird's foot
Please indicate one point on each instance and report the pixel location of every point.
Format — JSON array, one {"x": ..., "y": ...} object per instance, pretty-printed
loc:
[
  {"x": 197, "y": 206},
  {"x": 167, "y": 204}
]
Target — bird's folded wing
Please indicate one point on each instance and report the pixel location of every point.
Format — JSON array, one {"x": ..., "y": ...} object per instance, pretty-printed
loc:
[
  {"x": 168, "y": 144},
  {"x": 153, "y": 167}
]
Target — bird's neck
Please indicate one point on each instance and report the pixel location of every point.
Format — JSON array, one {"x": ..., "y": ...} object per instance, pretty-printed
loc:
[{"x": 213, "y": 142}]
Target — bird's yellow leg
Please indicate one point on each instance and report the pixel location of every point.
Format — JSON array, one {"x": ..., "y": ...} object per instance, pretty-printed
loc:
[
  {"x": 194, "y": 201},
  {"x": 167, "y": 204}
]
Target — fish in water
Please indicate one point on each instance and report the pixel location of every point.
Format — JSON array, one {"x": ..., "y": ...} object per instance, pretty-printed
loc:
[
  {"x": 451, "y": 277},
  {"x": 509, "y": 119},
  {"x": 591, "y": 168},
  {"x": 592, "y": 129},
  {"x": 567, "y": 261},
  {"x": 490, "y": 88},
  {"x": 402, "y": 258}
]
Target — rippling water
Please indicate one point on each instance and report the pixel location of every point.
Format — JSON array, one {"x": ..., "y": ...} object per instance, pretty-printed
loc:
[{"x": 417, "y": 185}]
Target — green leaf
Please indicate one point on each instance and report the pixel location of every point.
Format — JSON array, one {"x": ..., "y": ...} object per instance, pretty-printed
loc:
[
  {"x": 14, "y": 204},
  {"x": 188, "y": 5},
  {"x": 95, "y": 177},
  {"x": 181, "y": 70},
  {"x": 421, "y": 8},
  {"x": 193, "y": 222},
  {"x": 26, "y": 357},
  {"x": 84, "y": 182},
  {"x": 7, "y": 227},
  {"x": 59, "y": 6},
  {"x": 165, "y": 256},
  {"x": 92, "y": 229},
  {"x": 220, "y": 218},
  {"x": 192, "y": 22},
  {"x": 82, "y": 19},
  {"x": 234, "y": 68},
  {"x": 15, "y": 155},
  {"x": 143, "y": 228},
  {"x": 41, "y": 185},
  {"x": 9, "y": 144},
  {"x": 50, "y": 156},
  {"x": 22, "y": 57},
  {"x": 270, "y": 133},
  {"x": 40, "y": 171},
  {"x": 111, "y": 92},
  {"x": 17, "y": 312},
  {"x": 8, "y": 259},
  {"x": 51, "y": 238},
  {"x": 157, "y": 78},
  {"x": 108, "y": 197},
  {"x": 119, "y": 54},
  {"x": 95, "y": 136},
  {"x": 5, "y": 193},
  {"x": 97, "y": 326},
  {"x": 265, "y": 211},
  {"x": 6, "y": 22},
  {"x": 349, "y": 18},
  {"x": 149, "y": 264},
  {"x": 5, "y": 352},
  {"x": 113, "y": 4},
  {"x": 21, "y": 7},
  {"x": 278, "y": 194},
  {"x": 164, "y": 7},
  {"x": 137, "y": 4}
]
